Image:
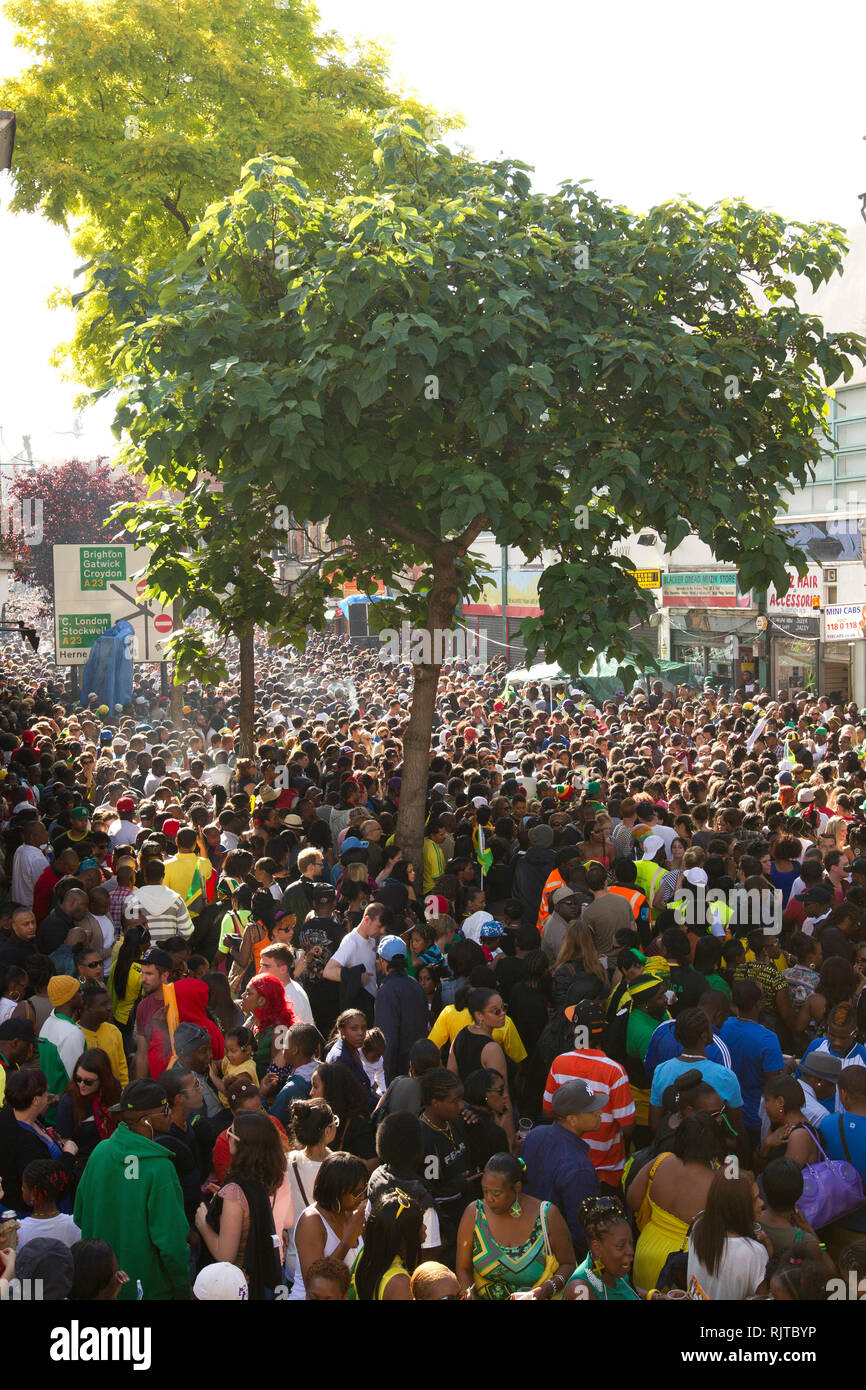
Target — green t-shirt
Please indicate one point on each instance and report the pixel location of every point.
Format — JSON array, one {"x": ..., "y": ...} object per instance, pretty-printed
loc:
[
  {"x": 641, "y": 1027},
  {"x": 716, "y": 982}
]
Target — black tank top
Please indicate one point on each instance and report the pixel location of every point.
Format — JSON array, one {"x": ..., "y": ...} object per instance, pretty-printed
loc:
[{"x": 468, "y": 1048}]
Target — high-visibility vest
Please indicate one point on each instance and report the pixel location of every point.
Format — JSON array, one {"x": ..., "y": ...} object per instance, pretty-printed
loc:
[
  {"x": 554, "y": 881},
  {"x": 634, "y": 899},
  {"x": 647, "y": 879}
]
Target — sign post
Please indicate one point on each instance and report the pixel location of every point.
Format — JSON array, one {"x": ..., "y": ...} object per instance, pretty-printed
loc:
[{"x": 95, "y": 586}]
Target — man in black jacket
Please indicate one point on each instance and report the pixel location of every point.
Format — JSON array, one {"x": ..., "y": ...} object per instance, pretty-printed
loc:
[
  {"x": 532, "y": 872},
  {"x": 20, "y": 942}
]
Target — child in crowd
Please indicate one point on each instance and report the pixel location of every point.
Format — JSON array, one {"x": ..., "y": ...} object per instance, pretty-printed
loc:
[
  {"x": 239, "y": 1059},
  {"x": 371, "y": 1057},
  {"x": 43, "y": 1184}
]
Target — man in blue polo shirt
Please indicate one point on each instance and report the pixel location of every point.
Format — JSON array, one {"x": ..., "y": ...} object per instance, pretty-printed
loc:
[
  {"x": 693, "y": 1030},
  {"x": 664, "y": 1043},
  {"x": 558, "y": 1164},
  {"x": 755, "y": 1051}
]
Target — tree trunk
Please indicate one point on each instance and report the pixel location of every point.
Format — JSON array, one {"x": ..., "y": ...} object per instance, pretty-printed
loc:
[
  {"x": 441, "y": 607},
  {"x": 247, "y": 692},
  {"x": 175, "y": 694}
]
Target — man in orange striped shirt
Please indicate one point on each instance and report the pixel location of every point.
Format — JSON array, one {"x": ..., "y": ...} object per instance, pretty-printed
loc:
[{"x": 607, "y": 1144}]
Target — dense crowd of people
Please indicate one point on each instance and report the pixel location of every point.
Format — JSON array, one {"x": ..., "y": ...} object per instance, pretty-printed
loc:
[{"x": 604, "y": 1041}]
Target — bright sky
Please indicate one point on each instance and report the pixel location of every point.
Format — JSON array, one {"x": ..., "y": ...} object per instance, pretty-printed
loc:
[{"x": 646, "y": 100}]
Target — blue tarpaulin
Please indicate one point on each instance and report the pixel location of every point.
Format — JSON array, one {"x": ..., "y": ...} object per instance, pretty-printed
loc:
[
  {"x": 109, "y": 667},
  {"x": 344, "y": 604}
]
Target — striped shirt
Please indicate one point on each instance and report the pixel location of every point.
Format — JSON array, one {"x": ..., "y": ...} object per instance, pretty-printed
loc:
[
  {"x": 116, "y": 899},
  {"x": 606, "y": 1077}
]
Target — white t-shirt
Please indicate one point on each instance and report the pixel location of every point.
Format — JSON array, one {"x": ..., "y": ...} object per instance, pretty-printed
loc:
[
  {"x": 60, "y": 1227},
  {"x": 28, "y": 865},
  {"x": 298, "y": 1001},
  {"x": 355, "y": 949},
  {"x": 738, "y": 1276},
  {"x": 106, "y": 926}
]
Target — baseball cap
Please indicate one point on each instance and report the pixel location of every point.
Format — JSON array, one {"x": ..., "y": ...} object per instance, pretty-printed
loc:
[
  {"x": 352, "y": 842},
  {"x": 576, "y": 1098},
  {"x": 189, "y": 1036},
  {"x": 221, "y": 1283},
  {"x": 125, "y": 805},
  {"x": 435, "y": 906},
  {"x": 170, "y": 828},
  {"x": 696, "y": 876},
  {"x": 491, "y": 931},
  {"x": 859, "y": 865},
  {"x": 651, "y": 846},
  {"x": 51, "y": 1263},
  {"x": 818, "y": 893},
  {"x": 588, "y": 1014},
  {"x": 391, "y": 946},
  {"x": 79, "y": 813},
  {"x": 156, "y": 956},
  {"x": 561, "y": 894},
  {"x": 140, "y": 1095},
  {"x": 324, "y": 890}
]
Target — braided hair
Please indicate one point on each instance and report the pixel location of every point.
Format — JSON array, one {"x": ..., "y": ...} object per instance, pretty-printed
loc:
[
  {"x": 599, "y": 1214},
  {"x": 47, "y": 1180}
]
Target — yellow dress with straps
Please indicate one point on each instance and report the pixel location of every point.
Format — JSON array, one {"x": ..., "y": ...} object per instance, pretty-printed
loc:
[{"x": 661, "y": 1234}]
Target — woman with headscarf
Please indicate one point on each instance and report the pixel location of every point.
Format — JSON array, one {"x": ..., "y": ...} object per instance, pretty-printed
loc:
[{"x": 185, "y": 1001}]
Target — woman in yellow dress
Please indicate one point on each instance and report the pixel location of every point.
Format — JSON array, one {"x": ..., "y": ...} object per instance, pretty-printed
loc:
[{"x": 668, "y": 1193}]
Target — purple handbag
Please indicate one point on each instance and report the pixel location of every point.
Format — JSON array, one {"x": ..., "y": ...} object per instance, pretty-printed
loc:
[{"x": 831, "y": 1188}]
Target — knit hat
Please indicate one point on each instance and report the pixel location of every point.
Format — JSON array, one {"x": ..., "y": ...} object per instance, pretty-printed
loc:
[
  {"x": 541, "y": 837},
  {"x": 62, "y": 988}
]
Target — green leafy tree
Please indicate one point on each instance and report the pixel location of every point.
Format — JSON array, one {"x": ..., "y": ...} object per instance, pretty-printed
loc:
[
  {"x": 454, "y": 353},
  {"x": 136, "y": 114}
]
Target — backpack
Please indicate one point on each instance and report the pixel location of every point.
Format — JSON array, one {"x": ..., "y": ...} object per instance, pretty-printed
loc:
[
  {"x": 557, "y": 1037},
  {"x": 613, "y": 1039}
]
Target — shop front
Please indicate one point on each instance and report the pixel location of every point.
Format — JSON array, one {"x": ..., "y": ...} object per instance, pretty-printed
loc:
[{"x": 719, "y": 646}]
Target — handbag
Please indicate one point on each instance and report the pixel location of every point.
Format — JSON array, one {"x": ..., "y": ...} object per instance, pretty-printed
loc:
[{"x": 831, "y": 1188}]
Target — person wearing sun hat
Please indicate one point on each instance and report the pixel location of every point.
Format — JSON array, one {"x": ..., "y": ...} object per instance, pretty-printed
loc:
[{"x": 61, "y": 1041}]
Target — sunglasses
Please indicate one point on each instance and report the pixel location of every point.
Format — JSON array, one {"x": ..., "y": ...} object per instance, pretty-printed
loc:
[{"x": 88, "y": 1080}]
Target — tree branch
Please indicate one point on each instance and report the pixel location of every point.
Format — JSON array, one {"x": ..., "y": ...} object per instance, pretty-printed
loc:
[{"x": 176, "y": 213}]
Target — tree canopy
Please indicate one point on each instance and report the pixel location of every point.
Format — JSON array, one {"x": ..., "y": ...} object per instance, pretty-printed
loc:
[
  {"x": 452, "y": 352},
  {"x": 136, "y": 114}
]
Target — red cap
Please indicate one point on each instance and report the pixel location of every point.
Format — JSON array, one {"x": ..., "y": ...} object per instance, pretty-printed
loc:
[
  {"x": 170, "y": 827},
  {"x": 125, "y": 805}
]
